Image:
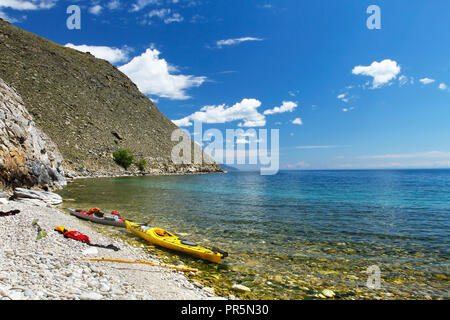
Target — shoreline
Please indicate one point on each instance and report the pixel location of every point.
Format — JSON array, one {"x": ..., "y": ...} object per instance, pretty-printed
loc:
[
  {"x": 73, "y": 176},
  {"x": 51, "y": 268}
]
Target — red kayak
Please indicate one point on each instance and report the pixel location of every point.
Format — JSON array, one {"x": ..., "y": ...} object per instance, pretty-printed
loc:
[{"x": 95, "y": 215}]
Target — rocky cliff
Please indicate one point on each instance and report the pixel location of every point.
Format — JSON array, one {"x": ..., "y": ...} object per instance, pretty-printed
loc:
[
  {"x": 87, "y": 106},
  {"x": 27, "y": 155}
]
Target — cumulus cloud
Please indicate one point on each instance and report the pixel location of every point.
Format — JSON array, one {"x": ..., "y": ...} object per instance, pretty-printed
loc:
[
  {"x": 140, "y": 4},
  {"x": 231, "y": 42},
  {"x": 113, "y": 55},
  {"x": 96, "y": 10},
  {"x": 297, "y": 121},
  {"x": 28, "y": 5},
  {"x": 443, "y": 86},
  {"x": 381, "y": 72},
  {"x": 287, "y": 106},
  {"x": 245, "y": 111},
  {"x": 426, "y": 80},
  {"x": 153, "y": 76}
]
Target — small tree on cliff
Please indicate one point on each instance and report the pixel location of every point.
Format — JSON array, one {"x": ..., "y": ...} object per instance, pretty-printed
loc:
[
  {"x": 141, "y": 164},
  {"x": 124, "y": 158}
]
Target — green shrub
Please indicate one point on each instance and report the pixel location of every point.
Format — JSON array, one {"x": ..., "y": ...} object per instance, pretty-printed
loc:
[
  {"x": 141, "y": 164},
  {"x": 124, "y": 158}
]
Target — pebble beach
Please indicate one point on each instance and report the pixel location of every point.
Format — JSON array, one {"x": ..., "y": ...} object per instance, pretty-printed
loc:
[{"x": 52, "y": 267}]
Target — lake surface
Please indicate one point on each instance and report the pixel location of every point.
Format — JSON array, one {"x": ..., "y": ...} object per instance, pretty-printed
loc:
[{"x": 296, "y": 233}]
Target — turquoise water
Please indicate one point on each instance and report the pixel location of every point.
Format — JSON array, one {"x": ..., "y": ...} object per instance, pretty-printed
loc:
[{"x": 294, "y": 233}]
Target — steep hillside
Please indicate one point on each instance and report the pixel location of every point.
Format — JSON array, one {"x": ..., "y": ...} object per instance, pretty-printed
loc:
[{"x": 86, "y": 105}]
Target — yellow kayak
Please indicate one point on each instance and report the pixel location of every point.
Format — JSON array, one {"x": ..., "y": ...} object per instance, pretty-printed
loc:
[{"x": 160, "y": 237}]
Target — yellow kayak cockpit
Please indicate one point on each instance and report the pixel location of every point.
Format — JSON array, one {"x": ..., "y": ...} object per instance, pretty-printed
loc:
[
  {"x": 163, "y": 233},
  {"x": 163, "y": 238}
]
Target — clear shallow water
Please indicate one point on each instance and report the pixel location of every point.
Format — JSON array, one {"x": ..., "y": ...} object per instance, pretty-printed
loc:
[{"x": 293, "y": 234}]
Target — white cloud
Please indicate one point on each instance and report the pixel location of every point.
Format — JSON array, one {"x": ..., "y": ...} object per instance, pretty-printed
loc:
[
  {"x": 348, "y": 109},
  {"x": 247, "y": 137},
  {"x": 287, "y": 106},
  {"x": 343, "y": 97},
  {"x": 6, "y": 17},
  {"x": 28, "y": 5},
  {"x": 113, "y": 55},
  {"x": 297, "y": 121},
  {"x": 160, "y": 13},
  {"x": 152, "y": 76},
  {"x": 113, "y": 4},
  {"x": 443, "y": 86},
  {"x": 165, "y": 15},
  {"x": 245, "y": 111},
  {"x": 426, "y": 80},
  {"x": 140, "y": 4},
  {"x": 176, "y": 17},
  {"x": 185, "y": 122},
  {"x": 230, "y": 42},
  {"x": 96, "y": 10},
  {"x": 381, "y": 72}
]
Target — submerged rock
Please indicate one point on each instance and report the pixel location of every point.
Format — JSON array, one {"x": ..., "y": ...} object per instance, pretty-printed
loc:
[
  {"x": 328, "y": 293},
  {"x": 240, "y": 287}
]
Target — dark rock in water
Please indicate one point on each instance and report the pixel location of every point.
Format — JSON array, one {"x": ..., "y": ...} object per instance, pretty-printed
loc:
[{"x": 27, "y": 155}]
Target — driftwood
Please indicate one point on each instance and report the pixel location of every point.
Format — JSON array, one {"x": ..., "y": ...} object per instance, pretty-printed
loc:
[{"x": 162, "y": 265}]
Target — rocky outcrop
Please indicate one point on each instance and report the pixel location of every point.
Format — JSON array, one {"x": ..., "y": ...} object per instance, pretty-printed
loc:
[
  {"x": 27, "y": 155},
  {"x": 47, "y": 197}
]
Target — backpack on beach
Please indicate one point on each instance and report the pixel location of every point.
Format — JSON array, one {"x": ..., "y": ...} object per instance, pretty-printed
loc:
[{"x": 76, "y": 235}]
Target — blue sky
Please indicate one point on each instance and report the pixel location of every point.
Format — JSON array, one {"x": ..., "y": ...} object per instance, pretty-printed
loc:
[{"x": 342, "y": 96}]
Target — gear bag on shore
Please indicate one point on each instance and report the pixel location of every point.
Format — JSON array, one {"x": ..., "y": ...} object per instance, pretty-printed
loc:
[
  {"x": 76, "y": 235},
  {"x": 9, "y": 213}
]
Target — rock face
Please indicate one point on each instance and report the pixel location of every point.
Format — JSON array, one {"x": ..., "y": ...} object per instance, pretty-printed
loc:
[
  {"x": 88, "y": 107},
  {"x": 27, "y": 156}
]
